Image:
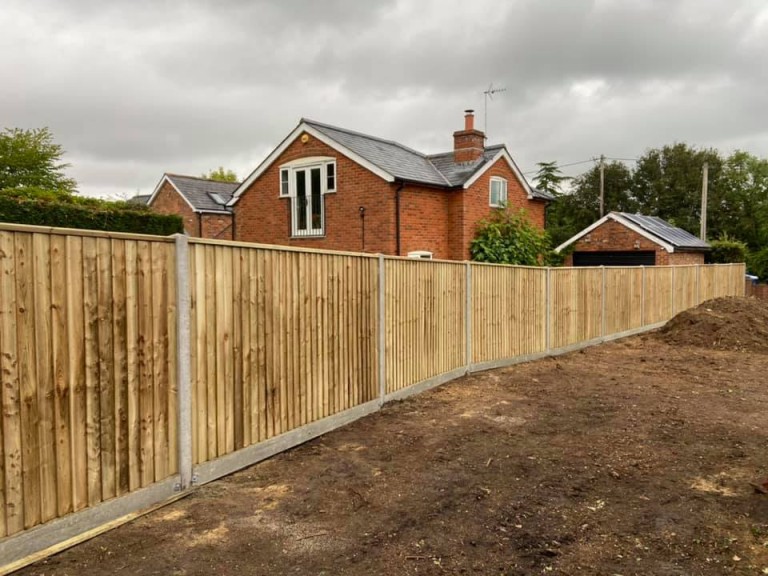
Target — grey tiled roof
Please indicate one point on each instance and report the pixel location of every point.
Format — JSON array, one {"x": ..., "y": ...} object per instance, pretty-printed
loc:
[
  {"x": 140, "y": 199},
  {"x": 541, "y": 194},
  {"x": 664, "y": 231},
  {"x": 407, "y": 164},
  {"x": 459, "y": 172},
  {"x": 398, "y": 160},
  {"x": 198, "y": 192}
]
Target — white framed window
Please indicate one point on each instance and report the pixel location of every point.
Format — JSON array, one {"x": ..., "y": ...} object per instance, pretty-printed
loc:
[
  {"x": 330, "y": 177},
  {"x": 423, "y": 254},
  {"x": 285, "y": 189},
  {"x": 306, "y": 181},
  {"x": 498, "y": 192}
]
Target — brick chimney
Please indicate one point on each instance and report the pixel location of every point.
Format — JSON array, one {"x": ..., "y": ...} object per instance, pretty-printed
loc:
[{"x": 468, "y": 144}]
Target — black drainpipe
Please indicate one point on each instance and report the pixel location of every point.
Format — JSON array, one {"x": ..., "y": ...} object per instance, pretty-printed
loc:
[
  {"x": 362, "y": 226},
  {"x": 200, "y": 224},
  {"x": 397, "y": 215}
]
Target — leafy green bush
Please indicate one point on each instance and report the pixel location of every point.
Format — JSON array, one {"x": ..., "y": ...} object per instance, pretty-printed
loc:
[
  {"x": 757, "y": 264},
  {"x": 42, "y": 207},
  {"x": 508, "y": 237},
  {"x": 727, "y": 250}
]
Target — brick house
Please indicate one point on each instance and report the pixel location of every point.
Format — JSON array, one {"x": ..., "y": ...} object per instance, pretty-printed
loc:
[
  {"x": 622, "y": 239},
  {"x": 332, "y": 188},
  {"x": 201, "y": 203}
]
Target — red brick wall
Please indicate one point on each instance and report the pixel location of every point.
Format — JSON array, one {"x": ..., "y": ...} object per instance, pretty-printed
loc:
[
  {"x": 262, "y": 216},
  {"x": 756, "y": 290},
  {"x": 477, "y": 203},
  {"x": 684, "y": 258},
  {"x": 168, "y": 201},
  {"x": 612, "y": 236},
  {"x": 217, "y": 226},
  {"x": 436, "y": 220},
  {"x": 424, "y": 221}
]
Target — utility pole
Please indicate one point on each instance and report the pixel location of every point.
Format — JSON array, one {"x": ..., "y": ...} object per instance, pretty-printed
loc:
[
  {"x": 704, "y": 183},
  {"x": 602, "y": 185}
]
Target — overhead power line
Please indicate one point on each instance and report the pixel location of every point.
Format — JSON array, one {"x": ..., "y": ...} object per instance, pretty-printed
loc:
[{"x": 585, "y": 162}]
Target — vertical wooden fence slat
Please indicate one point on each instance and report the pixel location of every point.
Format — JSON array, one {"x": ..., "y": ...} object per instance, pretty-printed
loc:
[
  {"x": 222, "y": 342},
  {"x": 24, "y": 320},
  {"x": 235, "y": 279},
  {"x": 133, "y": 368},
  {"x": 12, "y": 500},
  {"x": 246, "y": 376},
  {"x": 120, "y": 340},
  {"x": 170, "y": 351},
  {"x": 160, "y": 360},
  {"x": 209, "y": 342},
  {"x": 60, "y": 357},
  {"x": 43, "y": 354},
  {"x": 146, "y": 364}
]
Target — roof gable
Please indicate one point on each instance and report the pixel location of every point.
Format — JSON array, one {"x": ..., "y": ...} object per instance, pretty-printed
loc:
[
  {"x": 652, "y": 228},
  {"x": 200, "y": 194},
  {"x": 303, "y": 127}
]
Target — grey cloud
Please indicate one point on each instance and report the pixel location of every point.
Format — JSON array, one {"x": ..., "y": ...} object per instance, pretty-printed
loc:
[{"x": 131, "y": 89}]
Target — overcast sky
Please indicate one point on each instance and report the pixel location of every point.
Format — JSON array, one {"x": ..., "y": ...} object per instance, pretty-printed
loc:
[{"x": 132, "y": 89}]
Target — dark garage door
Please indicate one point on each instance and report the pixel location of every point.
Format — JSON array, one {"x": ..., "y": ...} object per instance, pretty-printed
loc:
[{"x": 629, "y": 258}]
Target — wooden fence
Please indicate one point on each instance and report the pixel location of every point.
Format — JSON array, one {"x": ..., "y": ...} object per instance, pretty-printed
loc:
[{"x": 134, "y": 366}]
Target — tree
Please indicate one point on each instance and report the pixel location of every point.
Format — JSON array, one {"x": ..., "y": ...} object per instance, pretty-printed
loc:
[
  {"x": 576, "y": 210},
  {"x": 508, "y": 237},
  {"x": 743, "y": 210},
  {"x": 667, "y": 183},
  {"x": 31, "y": 159},
  {"x": 220, "y": 174},
  {"x": 549, "y": 178}
]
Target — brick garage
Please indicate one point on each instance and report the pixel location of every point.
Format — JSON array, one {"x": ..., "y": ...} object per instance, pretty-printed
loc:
[
  {"x": 623, "y": 239},
  {"x": 410, "y": 202}
]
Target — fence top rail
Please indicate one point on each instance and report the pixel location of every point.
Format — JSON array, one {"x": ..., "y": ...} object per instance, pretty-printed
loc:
[
  {"x": 491, "y": 264},
  {"x": 278, "y": 248},
  {"x": 9, "y": 227},
  {"x": 432, "y": 260}
]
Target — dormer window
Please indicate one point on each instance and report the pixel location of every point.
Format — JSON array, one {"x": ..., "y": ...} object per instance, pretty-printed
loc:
[{"x": 498, "y": 192}]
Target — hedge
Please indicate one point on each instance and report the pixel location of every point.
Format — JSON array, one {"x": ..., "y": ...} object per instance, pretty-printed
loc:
[{"x": 99, "y": 215}]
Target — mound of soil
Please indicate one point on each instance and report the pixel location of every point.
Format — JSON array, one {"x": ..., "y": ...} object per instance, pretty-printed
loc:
[{"x": 739, "y": 324}]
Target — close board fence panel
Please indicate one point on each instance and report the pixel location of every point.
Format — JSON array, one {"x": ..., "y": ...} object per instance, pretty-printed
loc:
[
  {"x": 87, "y": 401},
  {"x": 280, "y": 339},
  {"x": 576, "y": 305},
  {"x": 623, "y": 299},
  {"x": 685, "y": 280},
  {"x": 425, "y": 316},
  {"x": 508, "y": 312},
  {"x": 708, "y": 287},
  {"x": 657, "y": 294}
]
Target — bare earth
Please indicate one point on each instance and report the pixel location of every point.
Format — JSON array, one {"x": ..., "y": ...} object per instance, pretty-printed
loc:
[{"x": 633, "y": 458}]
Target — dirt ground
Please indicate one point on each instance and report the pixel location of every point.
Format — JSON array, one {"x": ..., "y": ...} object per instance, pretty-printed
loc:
[{"x": 632, "y": 458}]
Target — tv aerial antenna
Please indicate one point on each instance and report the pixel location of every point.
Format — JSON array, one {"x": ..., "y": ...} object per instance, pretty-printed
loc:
[{"x": 489, "y": 95}]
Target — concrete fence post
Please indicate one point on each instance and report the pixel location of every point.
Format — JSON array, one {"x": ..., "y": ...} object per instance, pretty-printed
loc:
[
  {"x": 183, "y": 362},
  {"x": 603, "y": 304},
  {"x": 642, "y": 298},
  {"x": 672, "y": 290},
  {"x": 698, "y": 284},
  {"x": 468, "y": 316},
  {"x": 382, "y": 332},
  {"x": 548, "y": 311}
]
